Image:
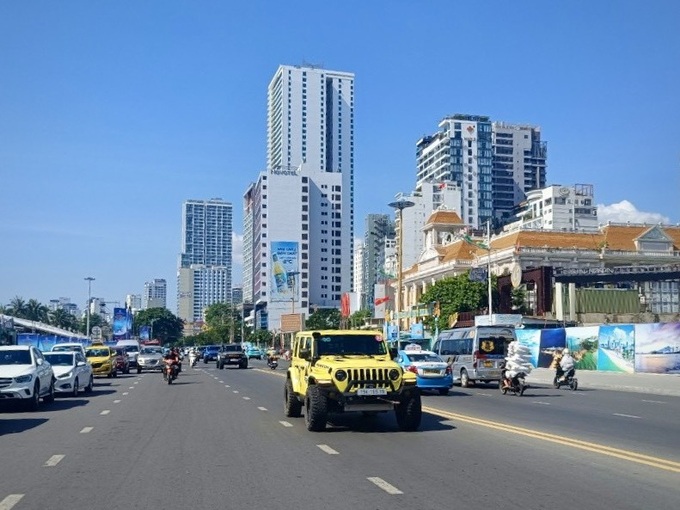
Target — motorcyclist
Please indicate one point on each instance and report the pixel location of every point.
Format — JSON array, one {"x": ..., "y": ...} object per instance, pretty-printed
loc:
[
  {"x": 171, "y": 361},
  {"x": 566, "y": 363},
  {"x": 193, "y": 357}
]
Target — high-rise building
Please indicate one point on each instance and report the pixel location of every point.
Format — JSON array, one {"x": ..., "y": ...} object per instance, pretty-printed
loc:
[
  {"x": 299, "y": 215},
  {"x": 358, "y": 276},
  {"x": 494, "y": 164},
  {"x": 155, "y": 294},
  {"x": 133, "y": 302},
  {"x": 379, "y": 227},
  {"x": 205, "y": 263}
]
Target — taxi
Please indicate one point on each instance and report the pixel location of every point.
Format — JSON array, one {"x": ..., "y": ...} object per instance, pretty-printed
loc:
[
  {"x": 102, "y": 358},
  {"x": 432, "y": 372}
]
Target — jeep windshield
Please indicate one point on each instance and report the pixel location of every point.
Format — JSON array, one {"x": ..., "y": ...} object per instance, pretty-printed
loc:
[{"x": 350, "y": 345}]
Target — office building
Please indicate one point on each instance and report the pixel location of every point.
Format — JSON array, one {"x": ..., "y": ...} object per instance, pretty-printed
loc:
[
  {"x": 205, "y": 262},
  {"x": 301, "y": 207},
  {"x": 378, "y": 229},
  {"x": 134, "y": 302},
  {"x": 155, "y": 294}
]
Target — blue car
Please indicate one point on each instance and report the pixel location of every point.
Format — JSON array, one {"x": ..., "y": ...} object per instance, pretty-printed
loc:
[
  {"x": 432, "y": 372},
  {"x": 210, "y": 353}
]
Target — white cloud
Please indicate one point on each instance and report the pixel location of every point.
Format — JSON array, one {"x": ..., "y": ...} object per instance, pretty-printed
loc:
[{"x": 625, "y": 211}]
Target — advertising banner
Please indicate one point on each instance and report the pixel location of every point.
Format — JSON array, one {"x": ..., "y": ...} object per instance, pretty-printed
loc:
[
  {"x": 284, "y": 271},
  {"x": 144, "y": 333},
  {"x": 120, "y": 324},
  {"x": 657, "y": 348}
]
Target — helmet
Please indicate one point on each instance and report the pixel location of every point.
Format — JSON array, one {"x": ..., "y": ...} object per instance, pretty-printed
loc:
[{"x": 565, "y": 351}]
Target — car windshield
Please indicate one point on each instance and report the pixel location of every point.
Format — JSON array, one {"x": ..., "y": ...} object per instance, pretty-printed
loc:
[
  {"x": 212, "y": 348},
  {"x": 130, "y": 348},
  {"x": 232, "y": 348},
  {"x": 423, "y": 356},
  {"x": 343, "y": 345},
  {"x": 150, "y": 350},
  {"x": 62, "y": 360},
  {"x": 94, "y": 353},
  {"x": 64, "y": 348},
  {"x": 15, "y": 357}
]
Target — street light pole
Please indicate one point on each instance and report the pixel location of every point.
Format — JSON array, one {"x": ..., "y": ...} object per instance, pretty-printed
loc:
[
  {"x": 89, "y": 280},
  {"x": 399, "y": 206}
]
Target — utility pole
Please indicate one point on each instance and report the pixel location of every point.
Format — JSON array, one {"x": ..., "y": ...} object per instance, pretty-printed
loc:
[{"x": 89, "y": 280}]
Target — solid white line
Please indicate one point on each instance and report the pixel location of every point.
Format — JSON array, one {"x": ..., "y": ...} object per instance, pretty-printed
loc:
[
  {"x": 86, "y": 430},
  {"x": 105, "y": 411},
  {"x": 327, "y": 449},
  {"x": 627, "y": 415},
  {"x": 116, "y": 401},
  {"x": 286, "y": 424},
  {"x": 126, "y": 393},
  {"x": 654, "y": 401},
  {"x": 10, "y": 501},
  {"x": 390, "y": 489},
  {"x": 53, "y": 460},
  {"x": 262, "y": 408},
  {"x": 246, "y": 398}
]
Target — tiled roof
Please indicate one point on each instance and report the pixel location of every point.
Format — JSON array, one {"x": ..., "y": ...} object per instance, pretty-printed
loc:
[{"x": 442, "y": 216}]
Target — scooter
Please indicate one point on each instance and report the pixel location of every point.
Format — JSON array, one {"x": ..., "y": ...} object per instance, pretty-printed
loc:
[
  {"x": 515, "y": 385},
  {"x": 568, "y": 379},
  {"x": 272, "y": 363},
  {"x": 193, "y": 359},
  {"x": 170, "y": 371}
]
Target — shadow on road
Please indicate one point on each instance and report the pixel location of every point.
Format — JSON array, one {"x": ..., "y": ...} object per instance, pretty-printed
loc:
[
  {"x": 382, "y": 423},
  {"x": 19, "y": 425}
]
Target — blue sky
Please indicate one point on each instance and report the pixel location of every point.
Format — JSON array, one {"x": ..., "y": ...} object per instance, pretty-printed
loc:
[{"x": 113, "y": 113}]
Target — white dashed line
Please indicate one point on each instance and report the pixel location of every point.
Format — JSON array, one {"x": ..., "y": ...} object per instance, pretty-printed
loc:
[
  {"x": 105, "y": 411},
  {"x": 215, "y": 377},
  {"x": 53, "y": 460},
  {"x": 227, "y": 386},
  {"x": 10, "y": 501},
  {"x": 246, "y": 398},
  {"x": 221, "y": 382},
  {"x": 483, "y": 394},
  {"x": 262, "y": 408},
  {"x": 136, "y": 382},
  {"x": 131, "y": 388},
  {"x": 116, "y": 401},
  {"x": 327, "y": 449},
  {"x": 86, "y": 430},
  {"x": 389, "y": 489},
  {"x": 235, "y": 391},
  {"x": 286, "y": 424},
  {"x": 627, "y": 415},
  {"x": 126, "y": 393},
  {"x": 654, "y": 401},
  {"x": 542, "y": 403}
]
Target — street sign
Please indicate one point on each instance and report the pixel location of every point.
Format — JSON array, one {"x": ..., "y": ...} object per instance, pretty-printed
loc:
[
  {"x": 478, "y": 274},
  {"x": 96, "y": 333}
]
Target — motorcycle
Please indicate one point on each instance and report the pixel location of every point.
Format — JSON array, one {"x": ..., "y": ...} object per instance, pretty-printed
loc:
[
  {"x": 568, "y": 379},
  {"x": 272, "y": 363},
  {"x": 515, "y": 384},
  {"x": 193, "y": 359},
  {"x": 170, "y": 371}
]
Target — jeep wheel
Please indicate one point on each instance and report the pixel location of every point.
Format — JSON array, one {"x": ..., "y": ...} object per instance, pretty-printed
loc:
[
  {"x": 292, "y": 407},
  {"x": 409, "y": 413},
  {"x": 49, "y": 398},
  {"x": 316, "y": 410}
]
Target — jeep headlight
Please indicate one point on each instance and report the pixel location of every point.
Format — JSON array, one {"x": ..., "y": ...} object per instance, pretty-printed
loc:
[
  {"x": 24, "y": 378},
  {"x": 394, "y": 374},
  {"x": 340, "y": 375}
]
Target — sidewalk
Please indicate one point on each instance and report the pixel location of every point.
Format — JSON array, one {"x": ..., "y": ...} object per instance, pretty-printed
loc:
[{"x": 657, "y": 384}]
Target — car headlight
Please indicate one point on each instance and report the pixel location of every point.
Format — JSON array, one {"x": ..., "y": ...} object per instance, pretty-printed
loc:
[
  {"x": 24, "y": 378},
  {"x": 67, "y": 375},
  {"x": 341, "y": 375},
  {"x": 394, "y": 374}
]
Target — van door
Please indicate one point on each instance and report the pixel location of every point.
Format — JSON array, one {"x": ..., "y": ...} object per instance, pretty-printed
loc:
[{"x": 490, "y": 348}]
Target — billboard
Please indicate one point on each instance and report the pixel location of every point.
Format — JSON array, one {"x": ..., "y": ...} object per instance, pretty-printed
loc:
[
  {"x": 144, "y": 333},
  {"x": 121, "y": 330},
  {"x": 285, "y": 271}
]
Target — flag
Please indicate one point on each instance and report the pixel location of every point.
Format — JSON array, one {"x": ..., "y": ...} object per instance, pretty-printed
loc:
[
  {"x": 478, "y": 244},
  {"x": 381, "y": 300}
]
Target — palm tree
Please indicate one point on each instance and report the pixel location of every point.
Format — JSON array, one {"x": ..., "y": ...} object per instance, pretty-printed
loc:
[
  {"x": 62, "y": 319},
  {"x": 36, "y": 311},
  {"x": 17, "y": 307}
]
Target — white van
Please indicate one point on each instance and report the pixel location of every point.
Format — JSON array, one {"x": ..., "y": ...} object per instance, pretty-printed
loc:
[
  {"x": 131, "y": 348},
  {"x": 475, "y": 353}
]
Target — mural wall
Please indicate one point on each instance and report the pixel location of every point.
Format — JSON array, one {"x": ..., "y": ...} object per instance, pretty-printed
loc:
[{"x": 628, "y": 348}]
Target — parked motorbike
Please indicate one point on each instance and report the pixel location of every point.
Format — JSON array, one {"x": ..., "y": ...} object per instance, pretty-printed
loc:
[
  {"x": 515, "y": 385},
  {"x": 170, "y": 371},
  {"x": 568, "y": 379},
  {"x": 272, "y": 363}
]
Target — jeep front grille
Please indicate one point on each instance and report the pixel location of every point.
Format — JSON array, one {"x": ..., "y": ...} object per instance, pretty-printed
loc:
[{"x": 368, "y": 378}]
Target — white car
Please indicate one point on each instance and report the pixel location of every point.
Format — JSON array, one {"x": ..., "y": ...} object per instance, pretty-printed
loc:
[
  {"x": 71, "y": 371},
  {"x": 69, "y": 347},
  {"x": 25, "y": 375}
]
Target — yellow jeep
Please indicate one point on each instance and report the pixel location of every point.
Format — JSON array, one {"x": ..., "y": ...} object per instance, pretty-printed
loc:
[{"x": 338, "y": 371}]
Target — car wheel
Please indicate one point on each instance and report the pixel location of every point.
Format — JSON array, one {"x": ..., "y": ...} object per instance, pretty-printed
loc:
[
  {"x": 292, "y": 407},
  {"x": 139, "y": 370},
  {"x": 90, "y": 385},
  {"x": 34, "y": 403},
  {"x": 316, "y": 410},
  {"x": 409, "y": 413},
  {"x": 127, "y": 370},
  {"x": 243, "y": 365},
  {"x": 49, "y": 398},
  {"x": 76, "y": 387},
  {"x": 464, "y": 379},
  {"x": 114, "y": 373}
]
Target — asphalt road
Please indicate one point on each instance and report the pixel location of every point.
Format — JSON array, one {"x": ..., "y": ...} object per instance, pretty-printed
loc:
[{"x": 219, "y": 439}]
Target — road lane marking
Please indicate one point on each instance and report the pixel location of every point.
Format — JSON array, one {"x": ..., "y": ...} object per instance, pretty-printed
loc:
[
  {"x": 262, "y": 408},
  {"x": 639, "y": 458},
  {"x": 388, "y": 488},
  {"x": 483, "y": 394},
  {"x": 541, "y": 403},
  {"x": 654, "y": 401},
  {"x": 126, "y": 393},
  {"x": 86, "y": 430},
  {"x": 627, "y": 415},
  {"x": 246, "y": 398},
  {"x": 327, "y": 449},
  {"x": 136, "y": 382},
  {"x": 10, "y": 501},
  {"x": 105, "y": 411},
  {"x": 235, "y": 391},
  {"x": 227, "y": 386},
  {"x": 53, "y": 460},
  {"x": 221, "y": 382},
  {"x": 131, "y": 388},
  {"x": 286, "y": 424}
]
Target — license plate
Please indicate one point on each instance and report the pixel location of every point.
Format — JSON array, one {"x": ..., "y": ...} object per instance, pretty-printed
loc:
[
  {"x": 488, "y": 364},
  {"x": 371, "y": 391},
  {"x": 431, "y": 371}
]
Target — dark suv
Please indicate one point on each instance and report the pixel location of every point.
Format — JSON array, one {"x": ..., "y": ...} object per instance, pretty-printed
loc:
[{"x": 232, "y": 354}]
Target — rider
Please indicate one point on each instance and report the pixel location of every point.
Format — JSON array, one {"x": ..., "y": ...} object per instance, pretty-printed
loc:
[
  {"x": 566, "y": 363},
  {"x": 172, "y": 358}
]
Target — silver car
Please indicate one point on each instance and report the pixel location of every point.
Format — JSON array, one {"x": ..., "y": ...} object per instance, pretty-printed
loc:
[{"x": 150, "y": 358}]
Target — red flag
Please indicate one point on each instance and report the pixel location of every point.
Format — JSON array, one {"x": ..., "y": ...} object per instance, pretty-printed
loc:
[
  {"x": 381, "y": 300},
  {"x": 344, "y": 305}
]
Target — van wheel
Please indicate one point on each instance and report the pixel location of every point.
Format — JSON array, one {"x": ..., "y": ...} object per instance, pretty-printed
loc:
[{"x": 464, "y": 379}]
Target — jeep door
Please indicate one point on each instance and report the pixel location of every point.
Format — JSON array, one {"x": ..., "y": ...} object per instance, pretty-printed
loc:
[{"x": 299, "y": 365}]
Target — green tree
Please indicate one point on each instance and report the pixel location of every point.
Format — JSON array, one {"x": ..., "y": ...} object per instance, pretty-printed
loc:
[
  {"x": 17, "y": 307},
  {"x": 167, "y": 327},
  {"x": 359, "y": 318},
  {"x": 225, "y": 320},
  {"x": 324, "y": 318},
  {"x": 261, "y": 338},
  {"x": 60, "y": 318},
  {"x": 36, "y": 311},
  {"x": 95, "y": 320},
  {"x": 518, "y": 300}
]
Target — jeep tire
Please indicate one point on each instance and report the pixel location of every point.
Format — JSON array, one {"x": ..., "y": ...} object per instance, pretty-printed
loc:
[
  {"x": 292, "y": 407},
  {"x": 409, "y": 412},
  {"x": 316, "y": 409}
]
